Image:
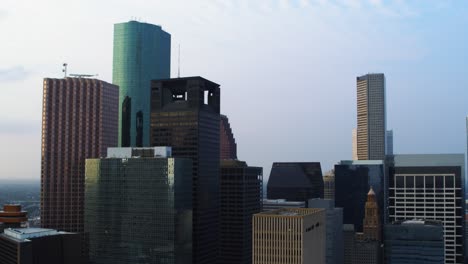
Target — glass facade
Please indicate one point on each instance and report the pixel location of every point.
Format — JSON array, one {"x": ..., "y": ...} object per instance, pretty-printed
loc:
[
  {"x": 353, "y": 180},
  {"x": 185, "y": 115},
  {"x": 139, "y": 210},
  {"x": 142, "y": 52}
]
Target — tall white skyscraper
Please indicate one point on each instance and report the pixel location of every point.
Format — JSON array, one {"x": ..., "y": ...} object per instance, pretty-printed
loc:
[{"x": 371, "y": 117}]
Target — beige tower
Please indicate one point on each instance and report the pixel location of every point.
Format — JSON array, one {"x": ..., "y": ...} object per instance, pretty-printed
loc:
[
  {"x": 371, "y": 118},
  {"x": 372, "y": 219},
  {"x": 289, "y": 236}
]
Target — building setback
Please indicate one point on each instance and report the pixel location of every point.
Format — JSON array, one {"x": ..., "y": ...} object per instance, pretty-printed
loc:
[
  {"x": 431, "y": 187},
  {"x": 289, "y": 236},
  {"x": 241, "y": 192},
  {"x": 142, "y": 52},
  {"x": 185, "y": 115},
  {"x": 414, "y": 242},
  {"x": 295, "y": 181},
  {"x": 371, "y": 117},
  {"x": 227, "y": 141},
  {"x": 39, "y": 246},
  {"x": 139, "y": 207},
  {"x": 79, "y": 121}
]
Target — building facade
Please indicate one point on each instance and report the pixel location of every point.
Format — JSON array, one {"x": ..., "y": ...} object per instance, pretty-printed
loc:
[
  {"x": 295, "y": 181},
  {"x": 12, "y": 217},
  {"x": 353, "y": 179},
  {"x": 185, "y": 115},
  {"x": 329, "y": 185},
  {"x": 371, "y": 117},
  {"x": 227, "y": 141},
  {"x": 271, "y": 205},
  {"x": 290, "y": 236},
  {"x": 39, "y": 246},
  {"x": 142, "y": 52},
  {"x": 334, "y": 230},
  {"x": 389, "y": 142},
  {"x": 354, "y": 142},
  {"x": 414, "y": 242},
  {"x": 241, "y": 193},
  {"x": 79, "y": 121},
  {"x": 139, "y": 207},
  {"x": 431, "y": 187}
]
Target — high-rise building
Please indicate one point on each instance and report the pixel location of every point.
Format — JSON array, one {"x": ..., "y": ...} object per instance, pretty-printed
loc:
[
  {"x": 241, "y": 198},
  {"x": 389, "y": 142},
  {"x": 79, "y": 121},
  {"x": 12, "y": 217},
  {"x": 295, "y": 181},
  {"x": 271, "y": 205},
  {"x": 414, "y": 242},
  {"x": 334, "y": 230},
  {"x": 40, "y": 246},
  {"x": 372, "y": 225},
  {"x": 227, "y": 141},
  {"x": 354, "y": 140},
  {"x": 348, "y": 237},
  {"x": 185, "y": 115},
  {"x": 353, "y": 179},
  {"x": 139, "y": 207},
  {"x": 142, "y": 52},
  {"x": 371, "y": 117},
  {"x": 329, "y": 185},
  {"x": 290, "y": 236},
  {"x": 431, "y": 187}
]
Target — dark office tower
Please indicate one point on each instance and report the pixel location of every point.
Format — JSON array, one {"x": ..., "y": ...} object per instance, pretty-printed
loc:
[
  {"x": 79, "y": 121},
  {"x": 139, "y": 207},
  {"x": 142, "y": 52},
  {"x": 295, "y": 181},
  {"x": 241, "y": 198},
  {"x": 389, "y": 142},
  {"x": 227, "y": 140},
  {"x": 353, "y": 179},
  {"x": 40, "y": 246},
  {"x": 414, "y": 242},
  {"x": 431, "y": 187},
  {"x": 371, "y": 118},
  {"x": 185, "y": 115}
]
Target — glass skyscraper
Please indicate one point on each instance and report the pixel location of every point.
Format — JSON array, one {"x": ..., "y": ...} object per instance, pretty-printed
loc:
[
  {"x": 142, "y": 52},
  {"x": 139, "y": 207}
]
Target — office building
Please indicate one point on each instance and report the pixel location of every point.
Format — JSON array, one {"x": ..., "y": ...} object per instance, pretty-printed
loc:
[
  {"x": 371, "y": 117},
  {"x": 295, "y": 181},
  {"x": 139, "y": 207},
  {"x": 40, "y": 246},
  {"x": 241, "y": 193},
  {"x": 295, "y": 235},
  {"x": 431, "y": 187},
  {"x": 353, "y": 179},
  {"x": 329, "y": 185},
  {"x": 354, "y": 140},
  {"x": 185, "y": 115},
  {"x": 142, "y": 52},
  {"x": 271, "y": 205},
  {"x": 227, "y": 141},
  {"x": 12, "y": 217},
  {"x": 414, "y": 242},
  {"x": 334, "y": 230},
  {"x": 79, "y": 121},
  {"x": 389, "y": 142}
]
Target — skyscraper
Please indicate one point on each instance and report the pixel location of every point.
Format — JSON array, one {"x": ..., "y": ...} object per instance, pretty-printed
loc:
[
  {"x": 295, "y": 181},
  {"x": 241, "y": 194},
  {"x": 289, "y": 236},
  {"x": 389, "y": 142},
  {"x": 371, "y": 117},
  {"x": 329, "y": 185},
  {"x": 79, "y": 121},
  {"x": 431, "y": 187},
  {"x": 354, "y": 140},
  {"x": 139, "y": 207},
  {"x": 142, "y": 52},
  {"x": 12, "y": 217},
  {"x": 227, "y": 140},
  {"x": 185, "y": 115}
]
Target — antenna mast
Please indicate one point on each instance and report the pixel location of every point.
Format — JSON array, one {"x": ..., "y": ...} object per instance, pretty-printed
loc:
[
  {"x": 178, "y": 68},
  {"x": 64, "y": 70}
]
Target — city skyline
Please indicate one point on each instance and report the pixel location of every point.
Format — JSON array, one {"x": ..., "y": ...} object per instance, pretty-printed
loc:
[{"x": 420, "y": 70}]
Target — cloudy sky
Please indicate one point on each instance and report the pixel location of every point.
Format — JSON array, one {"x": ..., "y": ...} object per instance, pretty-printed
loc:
[{"x": 287, "y": 69}]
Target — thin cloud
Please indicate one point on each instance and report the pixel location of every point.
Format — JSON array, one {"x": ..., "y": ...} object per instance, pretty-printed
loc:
[{"x": 16, "y": 73}]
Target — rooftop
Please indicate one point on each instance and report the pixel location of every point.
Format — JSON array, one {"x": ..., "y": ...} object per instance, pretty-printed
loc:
[
  {"x": 290, "y": 212},
  {"x": 27, "y": 233}
]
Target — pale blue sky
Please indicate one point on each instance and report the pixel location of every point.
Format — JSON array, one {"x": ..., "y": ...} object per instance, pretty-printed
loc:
[{"x": 287, "y": 69}]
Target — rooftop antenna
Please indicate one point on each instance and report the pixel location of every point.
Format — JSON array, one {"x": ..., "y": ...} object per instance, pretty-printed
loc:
[
  {"x": 64, "y": 70},
  {"x": 178, "y": 67}
]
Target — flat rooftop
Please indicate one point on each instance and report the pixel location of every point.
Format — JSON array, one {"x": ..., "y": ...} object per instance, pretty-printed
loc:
[
  {"x": 26, "y": 233},
  {"x": 291, "y": 212}
]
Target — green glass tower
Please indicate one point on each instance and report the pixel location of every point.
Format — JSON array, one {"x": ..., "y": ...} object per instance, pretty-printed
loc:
[{"x": 142, "y": 52}]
